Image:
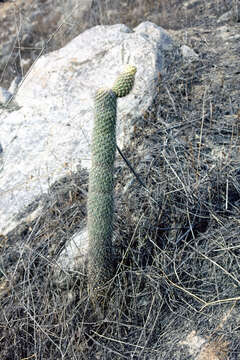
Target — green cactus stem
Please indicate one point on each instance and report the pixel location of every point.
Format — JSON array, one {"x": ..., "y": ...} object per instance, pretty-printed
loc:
[
  {"x": 125, "y": 81},
  {"x": 101, "y": 266}
]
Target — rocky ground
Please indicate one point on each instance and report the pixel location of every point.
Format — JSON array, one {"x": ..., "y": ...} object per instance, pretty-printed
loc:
[
  {"x": 30, "y": 28},
  {"x": 177, "y": 294}
]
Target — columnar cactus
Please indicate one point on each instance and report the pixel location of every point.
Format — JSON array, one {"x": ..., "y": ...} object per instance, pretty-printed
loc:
[{"x": 101, "y": 267}]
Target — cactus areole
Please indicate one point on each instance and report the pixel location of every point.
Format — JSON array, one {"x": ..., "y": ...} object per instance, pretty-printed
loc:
[{"x": 101, "y": 267}]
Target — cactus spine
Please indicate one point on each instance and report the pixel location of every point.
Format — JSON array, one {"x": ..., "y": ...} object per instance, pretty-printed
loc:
[{"x": 101, "y": 267}]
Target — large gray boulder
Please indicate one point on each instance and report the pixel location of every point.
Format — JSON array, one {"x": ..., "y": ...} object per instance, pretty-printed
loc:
[{"x": 50, "y": 134}]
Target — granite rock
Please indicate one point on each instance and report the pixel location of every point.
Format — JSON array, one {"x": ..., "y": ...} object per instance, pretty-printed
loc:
[{"x": 51, "y": 132}]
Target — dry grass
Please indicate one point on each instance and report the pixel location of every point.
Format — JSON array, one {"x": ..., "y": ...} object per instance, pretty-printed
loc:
[{"x": 178, "y": 260}]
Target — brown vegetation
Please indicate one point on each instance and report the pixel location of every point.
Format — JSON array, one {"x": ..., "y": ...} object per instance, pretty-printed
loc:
[{"x": 178, "y": 260}]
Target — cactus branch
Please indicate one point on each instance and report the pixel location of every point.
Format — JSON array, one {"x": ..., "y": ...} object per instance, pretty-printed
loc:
[{"x": 125, "y": 81}]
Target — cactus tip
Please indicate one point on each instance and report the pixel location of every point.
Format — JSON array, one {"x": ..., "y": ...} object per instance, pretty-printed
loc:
[{"x": 125, "y": 81}]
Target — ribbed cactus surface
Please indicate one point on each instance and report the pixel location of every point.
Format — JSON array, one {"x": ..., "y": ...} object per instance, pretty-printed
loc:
[
  {"x": 101, "y": 266},
  {"x": 125, "y": 81},
  {"x": 100, "y": 190}
]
